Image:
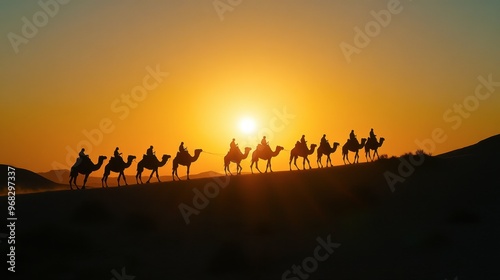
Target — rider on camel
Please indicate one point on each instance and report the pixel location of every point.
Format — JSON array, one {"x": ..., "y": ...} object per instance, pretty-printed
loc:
[
  {"x": 352, "y": 136},
  {"x": 82, "y": 153},
  {"x": 150, "y": 152},
  {"x": 372, "y": 135},
  {"x": 323, "y": 141},
  {"x": 181, "y": 148}
]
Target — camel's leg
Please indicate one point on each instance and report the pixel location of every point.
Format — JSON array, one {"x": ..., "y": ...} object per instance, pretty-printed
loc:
[
  {"x": 228, "y": 170},
  {"x": 238, "y": 169},
  {"x": 70, "y": 182},
  {"x": 85, "y": 181},
  {"x": 188, "y": 171},
  {"x": 124, "y": 178},
  {"x": 356, "y": 157},
  {"x": 139, "y": 175},
  {"x": 157, "y": 175},
  {"x": 174, "y": 173},
  {"x": 251, "y": 166},
  {"x": 346, "y": 156},
  {"x": 257, "y": 167},
  {"x": 308, "y": 163},
  {"x": 375, "y": 153},
  {"x": 318, "y": 161},
  {"x": 269, "y": 165},
  {"x": 151, "y": 175},
  {"x": 295, "y": 163},
  {"x": 328, "y": 160}
]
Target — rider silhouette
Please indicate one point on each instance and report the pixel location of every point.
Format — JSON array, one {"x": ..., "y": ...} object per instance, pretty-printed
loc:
[
  {"x": 323, "y": 140},
  {"x": 82, "y": 153},
  {"x": 117, "y": 154},
  {"x": 233, "y": 146},
  {"x": 303, "y": 141},
  {"x": 150, "y": 152},
  {"x": 352, "y": 136},
  {"x": 181, "y": 148},
  {"x": 372, "y": 135},
  {"x": 264, "y": 142}
]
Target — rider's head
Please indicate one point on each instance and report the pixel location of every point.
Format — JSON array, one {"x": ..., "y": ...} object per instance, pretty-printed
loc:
[
  {"x": 324, "y": 135},
  {"x": 151, "y": 146},
  {"x": 83, "y": 149},
  {"x": 264, "y": 137},
  {"x": 234, "y": 139}
]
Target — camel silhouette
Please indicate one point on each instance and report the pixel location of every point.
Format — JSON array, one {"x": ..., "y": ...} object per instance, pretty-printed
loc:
[
  {"x": 116, "y": 165},
  {"x": 373, "y": 145},
  {"x": 152, "y": 163},
  {"x": 353, "y": 147},
  {"x": 184, "y": 159},
  {"x": 84, "y": 166},
  {"x": 237, "y": 156},
  {"x": 301, "y": 151},
  {"x": 264, "y": 153},
  {"x": 326, "y": 150}
]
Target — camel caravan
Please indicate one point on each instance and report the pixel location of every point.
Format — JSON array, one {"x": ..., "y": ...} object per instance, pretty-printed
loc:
[{"x": 117, "y": 164}]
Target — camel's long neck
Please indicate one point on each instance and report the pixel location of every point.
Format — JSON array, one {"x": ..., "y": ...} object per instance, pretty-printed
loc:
[
  {"x": 128, "y": 163},
  {"x": 276, "y": 152},
  {"x": 162, "y": 162},
  {"x": 196, "y": 156},
  {"x": 311, "y": 151},
  {"x": 98, "y": 165},
  {"x": 245, "y": 155}
]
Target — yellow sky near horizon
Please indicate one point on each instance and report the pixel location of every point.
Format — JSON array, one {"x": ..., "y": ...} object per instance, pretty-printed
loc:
[{"x": 96, "y": 76}]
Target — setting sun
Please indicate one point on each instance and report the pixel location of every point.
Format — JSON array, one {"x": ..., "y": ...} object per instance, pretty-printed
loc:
[{"x": 247, "y": 125}]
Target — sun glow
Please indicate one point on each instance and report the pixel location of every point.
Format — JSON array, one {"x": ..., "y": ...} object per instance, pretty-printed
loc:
[{"x": 247, "y": 125}]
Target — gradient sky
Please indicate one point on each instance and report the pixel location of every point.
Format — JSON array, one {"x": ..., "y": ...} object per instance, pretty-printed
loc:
[{"x": 263, "y": 57}]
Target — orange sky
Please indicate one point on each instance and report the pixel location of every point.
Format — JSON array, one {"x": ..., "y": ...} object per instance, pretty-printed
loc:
[{"x": 89, "y": 63}]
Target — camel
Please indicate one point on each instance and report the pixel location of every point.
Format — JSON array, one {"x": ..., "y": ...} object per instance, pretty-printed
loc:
[
  {"x": 326, "y": 150},
  {"x": 301, "y": 151},
  {"x": 264, "y": 153},
  {"x": 116, "y": 165},
  {"x": 235, "y": 157},
  {"x": 353, "y": 147},
  {"x": 151, "y": 163},
  {"x": 84, "y": 166},
  {"x": 184, "y": 159},
  {"x": 373, "y": 145}
]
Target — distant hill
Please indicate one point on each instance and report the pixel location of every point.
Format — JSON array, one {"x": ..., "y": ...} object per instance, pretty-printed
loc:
[
  {"x": 27, "y": 181},
  {"x": 487, "y": 147}
]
